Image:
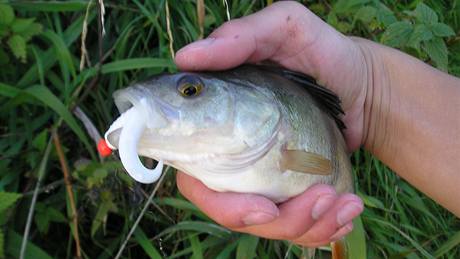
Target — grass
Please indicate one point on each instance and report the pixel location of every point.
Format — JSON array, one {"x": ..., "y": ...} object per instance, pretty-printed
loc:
[{"x": 38, "y": 95}]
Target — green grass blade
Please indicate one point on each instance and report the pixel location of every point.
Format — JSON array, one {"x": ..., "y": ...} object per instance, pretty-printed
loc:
[
  {"x": 356, "y": 241},
  {"x": 247, "y": 245},
  {"x": 8, "y": 91},
  {"x": 125, "y": 65},
  {"x": 50, "y": 6},
  {"x": 198, "y": 226},
  {"x": 197, "y": 250},
  {"x": 72, "y": 33},
  {"x": 414, "y": 243},
  {"x": 135, "y": 63},
  {"x": 49, "y": 99},
  {"x": 62, "y": 52},
  {"x": 146, "y": 244},
  {"x": 451, "y": 243},
  {"x": 226, "y": 252}
]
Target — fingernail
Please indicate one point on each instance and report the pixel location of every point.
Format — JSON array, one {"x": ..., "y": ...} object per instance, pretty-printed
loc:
[
  {"x": 323, "y": 203},
  {"x": 258, "y": 218},
  {"x": 197, "y": 45},
  {"x": 348, "y": 212}
]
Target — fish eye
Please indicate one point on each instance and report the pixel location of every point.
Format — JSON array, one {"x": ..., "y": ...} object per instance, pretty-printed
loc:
[{"x": 189, "y": 86}]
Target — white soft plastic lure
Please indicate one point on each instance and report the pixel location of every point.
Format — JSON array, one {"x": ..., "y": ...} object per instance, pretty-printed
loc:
[{"x": 132, "y": 124}]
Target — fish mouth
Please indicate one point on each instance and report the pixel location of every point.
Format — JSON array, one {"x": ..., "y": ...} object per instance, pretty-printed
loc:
[
  {"x": 156, "y": 115},
  {"x": 128, "y": 130}
]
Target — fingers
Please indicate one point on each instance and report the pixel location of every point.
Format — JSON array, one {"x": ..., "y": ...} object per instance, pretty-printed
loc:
[
  {"x": 233, "y": 210},
  {"x": 297, "y": 215},
  {"x": 335, "y": 223},
  {"x": 276, "y": 32},
  {"x": 314, "y": 218}
]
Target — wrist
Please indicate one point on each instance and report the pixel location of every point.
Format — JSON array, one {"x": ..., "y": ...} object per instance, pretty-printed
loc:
[{"x": 378, "y": 127}]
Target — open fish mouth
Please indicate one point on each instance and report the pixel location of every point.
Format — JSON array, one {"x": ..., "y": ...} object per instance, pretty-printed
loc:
[{"x": 132, "y": 124}]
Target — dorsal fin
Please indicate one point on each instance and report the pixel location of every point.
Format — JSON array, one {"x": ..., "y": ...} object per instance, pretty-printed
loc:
[{"x": 328, "y": 100}]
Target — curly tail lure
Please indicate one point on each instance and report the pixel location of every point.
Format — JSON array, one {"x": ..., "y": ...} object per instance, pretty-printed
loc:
[{"x": 133, "y": 123}]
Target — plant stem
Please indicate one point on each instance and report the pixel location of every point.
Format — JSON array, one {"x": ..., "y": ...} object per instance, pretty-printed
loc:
[
  {"x": 144, "y": 209},
  {"x": 68, "y": 185},
  {"x": 41, "y": 174}
]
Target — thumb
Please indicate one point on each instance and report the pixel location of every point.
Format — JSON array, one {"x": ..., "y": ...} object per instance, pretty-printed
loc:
[{"x": 276, "y": 32}]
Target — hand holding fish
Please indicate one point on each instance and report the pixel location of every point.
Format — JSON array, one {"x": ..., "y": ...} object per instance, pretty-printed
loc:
[{"x": 402, "y": 110}]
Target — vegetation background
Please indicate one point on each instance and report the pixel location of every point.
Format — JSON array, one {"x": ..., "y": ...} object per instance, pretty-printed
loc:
[{"x": 69, "y": 202}]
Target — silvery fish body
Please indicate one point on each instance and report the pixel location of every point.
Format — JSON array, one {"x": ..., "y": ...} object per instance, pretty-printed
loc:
[{"x": 251, "y": 129}]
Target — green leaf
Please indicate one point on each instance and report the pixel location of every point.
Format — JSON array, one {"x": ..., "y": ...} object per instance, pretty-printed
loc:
[
  {"x": 6, "y": 14},
  {"x": 32, "y": 251},
  {"x": 343, "y": 6},
  {"x": 32, "y": 30},
  {"x": 40, "y": 140},
  {"x": 17, "y": 45},
  {"x": 425, "y": 14},
  {"x": 247, "y": 245},
  {"x": 20, "y": 24},
  {"x": 366, "y": 14},
  {"x": 442, "y": 30},
  {"x": 41, "y": 220},
  {"x": 4, "y": 58},
  {"x": 4, "y": 30},
  {"x": 421, "y": 33},
  {"x": 2, "y": 244},
  {"x": 7, "y": 199},
  {"x": 146, "y": 244},
  {"x": 437, "y": 51},
  {"x": 49, "y": 99},
  {"x": 385, "y": 15},
  {"x": 102, "y": 212},
  {"x": 397, "y": 34}
]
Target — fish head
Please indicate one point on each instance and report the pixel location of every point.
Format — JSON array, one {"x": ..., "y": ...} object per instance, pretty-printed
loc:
[{"x": 192, "y": 118}]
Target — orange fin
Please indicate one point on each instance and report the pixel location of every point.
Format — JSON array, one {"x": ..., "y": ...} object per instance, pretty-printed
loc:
[
  {"x": 305, "y": 162},
  {"x": 339, "y": 250}
]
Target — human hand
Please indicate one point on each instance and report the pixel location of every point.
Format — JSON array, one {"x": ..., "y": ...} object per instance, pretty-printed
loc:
[{"x": 288, "y": 34}]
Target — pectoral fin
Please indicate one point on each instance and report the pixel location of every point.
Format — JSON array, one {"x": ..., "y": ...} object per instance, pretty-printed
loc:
[{"x": 305, "y": 162}]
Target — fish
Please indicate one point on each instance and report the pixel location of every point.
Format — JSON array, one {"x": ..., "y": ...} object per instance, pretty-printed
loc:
[{"x": 253, "y": 129}]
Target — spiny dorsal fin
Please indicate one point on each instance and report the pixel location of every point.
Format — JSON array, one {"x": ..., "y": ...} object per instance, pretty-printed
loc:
[
  {"x": 305, "y": 162},
  {"x": 328, "y": 100}
]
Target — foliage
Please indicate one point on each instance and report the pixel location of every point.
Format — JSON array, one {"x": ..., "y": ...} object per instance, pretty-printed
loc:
[
  {"x": 16, "y": 33},
  {"x": 39, "y": 95}
]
